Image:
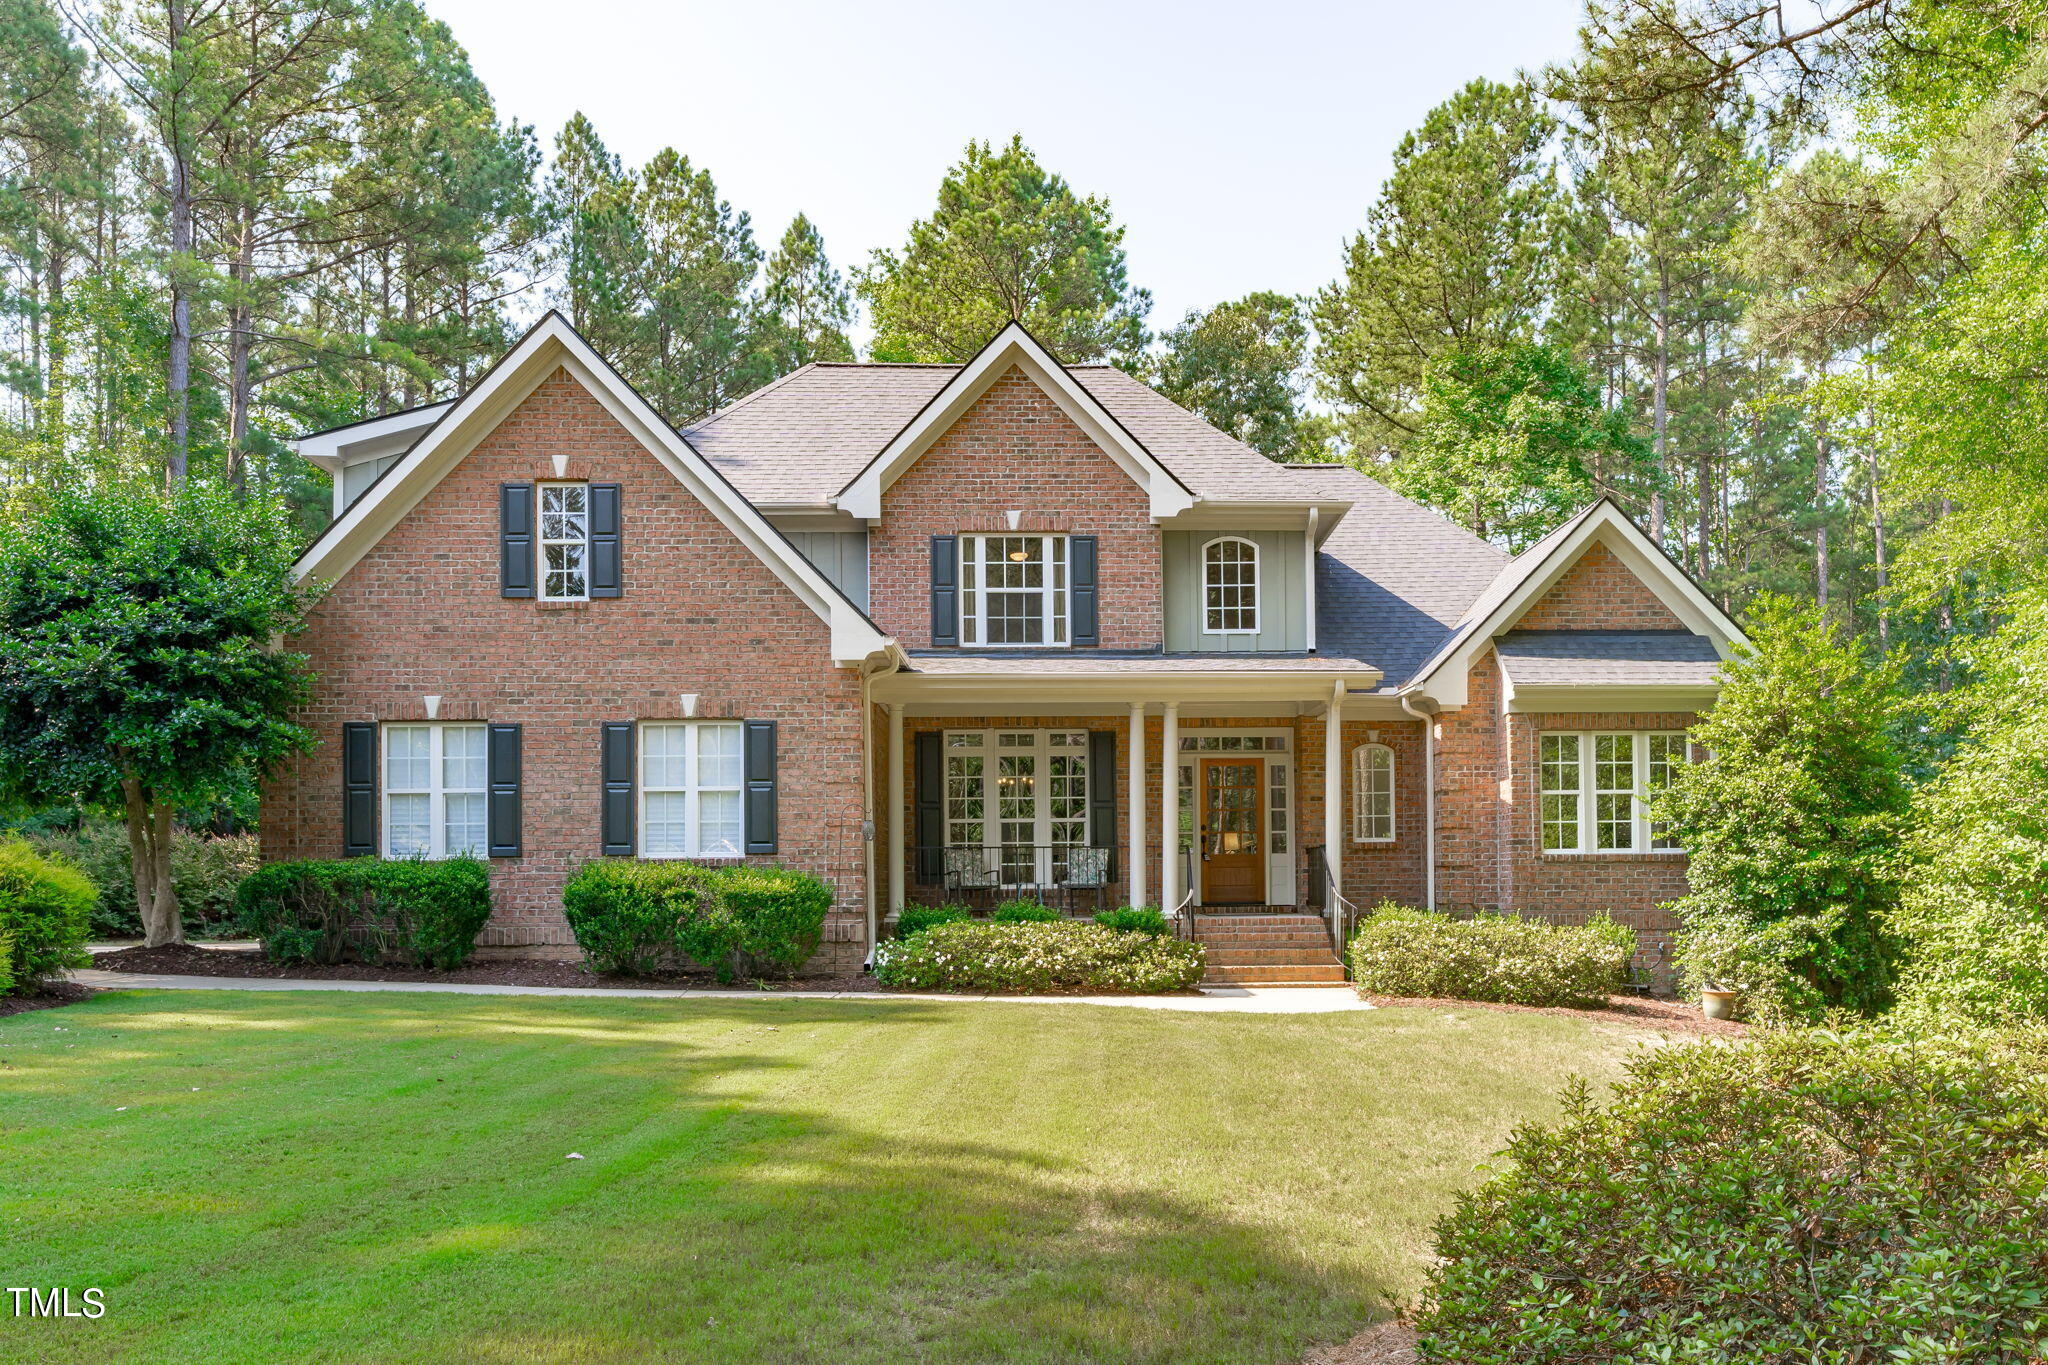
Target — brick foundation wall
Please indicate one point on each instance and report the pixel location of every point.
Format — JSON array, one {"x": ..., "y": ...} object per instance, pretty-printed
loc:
[
  {"x": 421, "y": 614},
  {"x": 1015, "y": 450}
]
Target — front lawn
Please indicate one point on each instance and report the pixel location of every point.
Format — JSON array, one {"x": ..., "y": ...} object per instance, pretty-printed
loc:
[{"x": 327, "y": 1177}]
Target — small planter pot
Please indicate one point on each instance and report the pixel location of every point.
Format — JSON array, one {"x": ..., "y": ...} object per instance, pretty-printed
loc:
[{"x": 1718, "y": 1003}]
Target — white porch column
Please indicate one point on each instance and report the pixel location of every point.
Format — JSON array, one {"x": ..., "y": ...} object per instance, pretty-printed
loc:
[
  {"x": 1333, "y": 797},
  {"x": 1136, "y": 803},
  {"x": 1169, "y": 810},
  {"x": 896, "y": 887}
]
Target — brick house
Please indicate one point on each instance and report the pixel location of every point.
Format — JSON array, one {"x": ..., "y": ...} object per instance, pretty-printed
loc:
[{"x": 932, "y": 630}]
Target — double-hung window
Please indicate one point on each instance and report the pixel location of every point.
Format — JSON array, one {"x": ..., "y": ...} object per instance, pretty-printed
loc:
[
  {"x": 1595, "y": 787},
  {"x": 1372, "y": 794},
  {"x": 1013, "y": 590},
  {"x": 564, "y": 542},
  {"x": 690, "y": 784},
  {"x": 1230, "y": 587},
  {"x": 435, "y": 778}
]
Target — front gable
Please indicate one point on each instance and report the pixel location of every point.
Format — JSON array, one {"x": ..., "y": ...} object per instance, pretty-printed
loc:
[
  {"x": 1013, "y": 352},
  {"x": 549, "y": 363},
  {"x": 1598, "y": 592}
]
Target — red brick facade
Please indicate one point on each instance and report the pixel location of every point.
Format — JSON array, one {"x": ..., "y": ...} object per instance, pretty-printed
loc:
[
  {"x": 421, "y": 614},
  {"x": 1598, "y": 592},
  {"x": 1014, "y": 450}
]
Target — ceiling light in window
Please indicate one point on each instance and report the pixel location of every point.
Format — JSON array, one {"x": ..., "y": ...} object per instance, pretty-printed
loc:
[{"x": 1020, "y": 555}]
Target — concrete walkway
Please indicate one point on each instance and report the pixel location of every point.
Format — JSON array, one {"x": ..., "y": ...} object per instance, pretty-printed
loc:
[{"x": 1213, "y": 999}]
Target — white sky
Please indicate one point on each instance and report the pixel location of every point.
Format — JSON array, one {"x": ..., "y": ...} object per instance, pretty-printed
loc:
[{"x": 1240, "y": 143}]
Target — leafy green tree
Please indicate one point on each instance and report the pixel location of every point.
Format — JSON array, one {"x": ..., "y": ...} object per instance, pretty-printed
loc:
[
  {"x": 1512, "y": 439},
  {"x": 1793, "y": 821},
  {"x": 699, "y": 271},
  {"x": 806, "y": 306},
  {"x": 1009, "y": 242},
  {"x": 139, "y": 663},
  {"x": 1974, "y": 915},
  {"x": 1239, "y": 365},
  {"x": 1453, "y": 254}
]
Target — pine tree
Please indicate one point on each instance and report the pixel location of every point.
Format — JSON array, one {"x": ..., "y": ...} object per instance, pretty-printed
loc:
[
  {"x": 699, "y": 271},
  {"x": 806, "y": 307},
  {"x": 1009, "y": 242}
]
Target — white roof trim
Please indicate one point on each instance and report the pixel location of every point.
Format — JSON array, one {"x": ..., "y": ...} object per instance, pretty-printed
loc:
[
  {"x": 553, "y": 344},
  {"x": 368, "y": 440},
  {"x": 1534, "y": 573},
  {"x": 1013, "y": 346}
]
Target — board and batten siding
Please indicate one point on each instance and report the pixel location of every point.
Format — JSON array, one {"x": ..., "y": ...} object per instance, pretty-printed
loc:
[
  {"x": 1283, "y": 598},
  {"x": 841, "y": 556}
]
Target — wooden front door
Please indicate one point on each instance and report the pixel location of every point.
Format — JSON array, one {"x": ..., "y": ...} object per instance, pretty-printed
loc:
[{"x": 1233, "y": 826}]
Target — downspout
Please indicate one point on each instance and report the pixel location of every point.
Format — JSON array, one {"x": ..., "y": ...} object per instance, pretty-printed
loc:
[{"x": 1428, "y": 800}]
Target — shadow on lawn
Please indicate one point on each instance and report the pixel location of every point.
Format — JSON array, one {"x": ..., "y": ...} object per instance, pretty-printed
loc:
[{"x": 710, "y": 1219}]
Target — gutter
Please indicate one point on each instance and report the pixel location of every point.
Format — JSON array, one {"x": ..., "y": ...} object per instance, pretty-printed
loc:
[{"x": 1428, "y": 720}]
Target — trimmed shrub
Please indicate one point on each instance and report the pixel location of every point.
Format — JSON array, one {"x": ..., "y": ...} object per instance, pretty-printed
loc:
[
  {"x": 6, "y": 962},
  {"x": 1401, "y": 951},
  {"x": 915, "y": 919},
  {"x": 45, "y": 905},
  {"x": 411, "y": 913},
  {"x": 1807, "y": 1196},
  {"x": 633, "y": 918},
  {"x": 1025, "y": 912},
  {"x": 1065, "y": 956},
  {"x": 205, "y": 870},
  {"x": 1133, "y": 920},
  {"x": 778, "y": 914}
]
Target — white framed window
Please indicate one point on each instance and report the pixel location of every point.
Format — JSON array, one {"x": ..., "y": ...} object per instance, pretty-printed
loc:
[
  {"x": 1372, "y": 794},
  {"x": 690, "y": 790},
  {"x": 1016, "y": 805},
  {"x": 1013, "y": 590},
  {"x": 1230, "y": 586},
  {"x": 435, "y": 780},
  {"x": 564, "y": 542},
  {"x": 1594, "y": 789}
]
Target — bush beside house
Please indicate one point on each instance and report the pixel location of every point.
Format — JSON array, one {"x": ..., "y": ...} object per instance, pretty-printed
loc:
[
  {"x": 636, "y": 918},
  {"x": 205, "y": 870},
  {"x": 45, "y": 905},
  {"x": 1066, "y": 955},
  {"x": 410, "y": 913},
  {"x": 1400, "y": 951},
  {"x": 1807, "y": 1196}
]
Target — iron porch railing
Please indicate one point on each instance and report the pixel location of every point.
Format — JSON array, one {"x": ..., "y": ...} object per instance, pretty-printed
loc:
[{"x": 1075, "y": 878}]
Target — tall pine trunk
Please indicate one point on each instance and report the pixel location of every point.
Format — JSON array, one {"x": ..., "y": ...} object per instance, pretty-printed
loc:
[
  {"x": 1660, "y": 401},
  {"x": 1822, "y": 450},
  {"x": 179, "y": 367},
  {"x": 241, "y": 341}
]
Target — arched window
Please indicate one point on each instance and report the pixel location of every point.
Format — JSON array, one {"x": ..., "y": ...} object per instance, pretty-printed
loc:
[
  {"x": 1230, "y": 587},
  {"x": 1372, "y": 794}
]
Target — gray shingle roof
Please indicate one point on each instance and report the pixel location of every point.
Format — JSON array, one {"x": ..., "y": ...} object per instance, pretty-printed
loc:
[
  {"x": 1068, "y": 662},
  {"x": 1584, "y": 658},
  {"x": 802, "y": 438},
  {"x": 1394, "y": 578}
]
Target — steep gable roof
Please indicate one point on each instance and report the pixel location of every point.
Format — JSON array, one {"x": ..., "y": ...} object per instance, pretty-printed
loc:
[
  {"x": 551, "y": 345},
  {"x": 1524, "y": 580}
]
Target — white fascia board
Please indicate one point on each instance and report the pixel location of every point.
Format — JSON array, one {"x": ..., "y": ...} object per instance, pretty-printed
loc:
[
  {"x": 1444, "y": 679},
  {"x": 1120, "y": 688},
  {"x": 862, "y": 496},
  {"x": 552, "y": 345},
  {"x": 370, "y": 439}
]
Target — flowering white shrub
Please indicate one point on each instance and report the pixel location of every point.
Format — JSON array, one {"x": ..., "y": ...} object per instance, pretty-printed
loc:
[{"x": 979, "y": 955}]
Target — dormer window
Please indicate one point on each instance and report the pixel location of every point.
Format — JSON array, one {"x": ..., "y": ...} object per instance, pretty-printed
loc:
[
  {"x": 1230, "y": 587},
  {"x": 564, "y": 542},
  {"x": 1013, "y": 590}
]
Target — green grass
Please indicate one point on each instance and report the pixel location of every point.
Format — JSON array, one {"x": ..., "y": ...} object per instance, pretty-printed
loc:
[{"x": 331, "y": 1177}]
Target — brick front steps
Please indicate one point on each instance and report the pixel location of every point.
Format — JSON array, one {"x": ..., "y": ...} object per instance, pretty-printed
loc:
[{"x": 1270, "y": 948}]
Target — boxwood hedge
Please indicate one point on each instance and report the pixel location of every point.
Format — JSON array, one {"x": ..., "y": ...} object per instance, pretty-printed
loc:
[
  {"x": 408, "y": 913},
  {"x": 1066, "y": 955}
]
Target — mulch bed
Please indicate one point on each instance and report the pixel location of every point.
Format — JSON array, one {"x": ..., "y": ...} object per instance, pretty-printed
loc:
[
  {"x": 1389, "y": 1343},
  {"x": 48, "y": 998},
  {"x": 1671, "y": 1016},
  {"x": 182, "y": 959}
]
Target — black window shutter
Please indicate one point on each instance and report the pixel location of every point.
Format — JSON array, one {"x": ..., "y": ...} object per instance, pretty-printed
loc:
[
  {"x": 618, "y": 788},
  {"x": 358, "y": 789},
  {"x": 515, "y": 539},
  {"x": 503, "y": 813},
  {"x": 931, "y": 810},
  {"x": 945, "y": 590},
  {"x": 1102, "y": 788},
  {"x": 1081, "y": 563},
  {"x": 604, "y": 540},
  {"x": 760, "y": 779}
]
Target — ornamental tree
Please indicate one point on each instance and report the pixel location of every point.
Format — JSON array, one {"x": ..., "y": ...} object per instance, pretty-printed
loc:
[
  {"x": 139, "y": 663},
  {"x": 1793, "y": 820}
]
